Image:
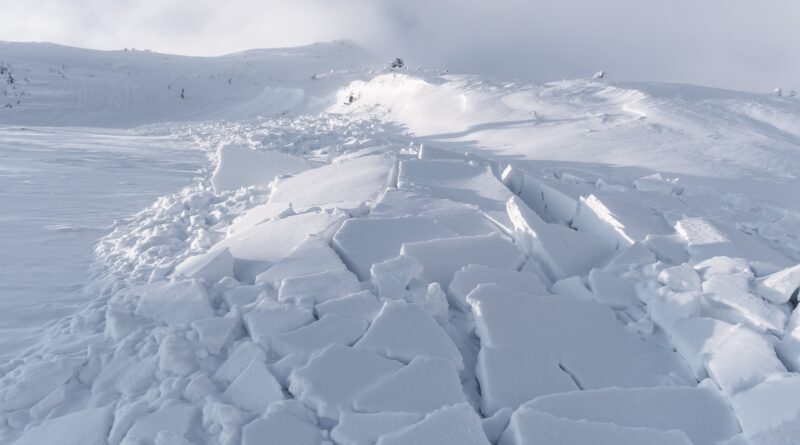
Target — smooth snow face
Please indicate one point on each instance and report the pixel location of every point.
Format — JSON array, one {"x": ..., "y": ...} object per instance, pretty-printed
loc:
[
  {"x": 62, "y": 189},
  {"x": 394, "y": 292}
]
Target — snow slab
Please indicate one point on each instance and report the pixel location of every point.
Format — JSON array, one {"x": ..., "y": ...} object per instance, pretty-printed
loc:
[
  {"x": 404, "y": 331},
  {"x": 732, "y": 291},
  {"x": 211, "y": 266},
  {"x": 331, "y": 380},
  {"x": 683, "y": 278},
  {"x": 452, "y": 425},
  {"x": 366, "y": 241},
  {"x": 329, "y": 329},
  {"x": 424, "y": 385},
  {"x": 264, "y": 323},
  {"x": 173, "y": 418},
  {"x": 366, "y": 428},
  {"x": 701, "y": 413},
  {"x": 254, "y": 389},
  {"x": 468, "y": 182},
  {"x": 313, "y": 255},
  {"x": 708, "y": 238},
  {"x": 695, "y": 338},
  {"x": 318, "y": 287},
  {"x": 564, "y": 252},
  {"x": 618, "y": 219},
  {"x": 214, "y": 333},
  {"x": 281, "y": 428},
  {"x": 363, "y": 305},
  {"x": 530, "y": 427},
  {"x": 779, "y": 286},
  {"x": 572, "y": 287},
  {"x": 611, "y": 289},
  {"x": 442, "y": 258},
  {"x": 392, "y": 277},
  {"x": 175, "y": 303},
  {"x": 771, "y": 409},
  {"x": 259, "y": 214},
  {"x": 469, "y": 277},
  {"x": 87, "y": 427},
  {"x": 239, "y": 166},
  {"x": 555, "y": 201},
  {"x": 352, "y": 181}
]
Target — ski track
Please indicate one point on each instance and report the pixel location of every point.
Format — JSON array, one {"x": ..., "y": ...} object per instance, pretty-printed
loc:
[{"x": 400, "y": 279}]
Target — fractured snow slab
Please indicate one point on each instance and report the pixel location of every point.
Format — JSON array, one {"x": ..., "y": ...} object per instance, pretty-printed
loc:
[
  {"x": 732, "y": 291},
  {"x": 404, "y": 331},
  {"x": 363, "y": 305},
  {"x": 564, "y": 252},
  {"x": 212, "y": 266},
  {"x": 392, "y": 277},
  {"x": 318, "y": 287},
  {"x": 87, "y": 427},
  {"x": 683, "y": 278},
  {"x": 779, "y": 286},
  {"x": 452, "y": 425},
  {"x": 330, "y": 381},
  {"x": 172, "y": 418},
  {"x": 469, "y": 277},
  {"x": 330, "y": 329},
  {"x": 702, "y": 414},
  {"x": 175, "y": 303},
  {"x": 611, "y": 289},
  {"x": 352, "y": 181},
  {"x": 366, "y": 428},
  {"x": 530, "y": 427},
  {"x": 214, "y": 333},
  {"x": 279, "y": 429},
  {"x": 442, "y": 258},
  {"x": 770, "y": 407},
  {"x": 254, "y": 389},
  {"x": 424, "y": 385},
  {"x": 708, "y": 238},
  {"x": 313, "y": 255},
  {"x": 619, "y": 219},
  {"x": 239, "y": 166},
  {"x": 265, "y": 323},
  {"x": 364, "y": 242}
]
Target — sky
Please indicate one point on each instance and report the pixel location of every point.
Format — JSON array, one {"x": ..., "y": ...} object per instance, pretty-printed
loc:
[{"x": 739, "y": 44}]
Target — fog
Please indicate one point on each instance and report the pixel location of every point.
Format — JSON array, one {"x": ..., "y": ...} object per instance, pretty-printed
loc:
[{"x": 739, "y": 44}]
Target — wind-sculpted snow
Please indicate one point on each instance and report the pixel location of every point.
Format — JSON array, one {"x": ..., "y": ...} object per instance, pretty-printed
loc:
[{"x": 373, "y": 285}]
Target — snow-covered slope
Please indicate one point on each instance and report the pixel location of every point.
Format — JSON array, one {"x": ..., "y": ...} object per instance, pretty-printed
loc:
[{"x": 443, "y": 259}]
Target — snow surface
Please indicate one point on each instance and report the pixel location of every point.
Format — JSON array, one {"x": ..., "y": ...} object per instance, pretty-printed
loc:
[{"x": 393, "y": 257}]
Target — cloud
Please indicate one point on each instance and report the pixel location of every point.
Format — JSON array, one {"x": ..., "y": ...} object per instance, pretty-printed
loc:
[{"x": 729, "y": 43}]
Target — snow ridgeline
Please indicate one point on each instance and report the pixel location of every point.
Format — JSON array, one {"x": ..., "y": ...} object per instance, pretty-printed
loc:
[{"x": 379, "y": 292}]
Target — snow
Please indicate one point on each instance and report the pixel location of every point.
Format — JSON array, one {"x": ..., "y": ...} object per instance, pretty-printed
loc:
[
  {"x": 380, "y": 269},
  {"x": 239, "y": 166}
]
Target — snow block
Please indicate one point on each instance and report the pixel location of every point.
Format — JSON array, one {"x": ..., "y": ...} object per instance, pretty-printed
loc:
[
  {"x": 612, "y": 289},
  {"x": 469, "y": 277},
  {"x": 618, "y": 219},
  {"x": 702, "y": 414},
  {"x": 175, "y": 303},
  {"x": 281, "y": 428},
  {"x": 173, "y": 418},
  {"x": 211, "y": 266},
  {"x": 319, "y": 287},
  {"x": 214, "y": 333},
  {"x": 708, "y": 238},
  {"x": 352, "y": 181},
  {"x": 442, "y": 258},
  {"x": 404, "y": 331},
  {"x": 254, "y": 389},
  {"x": 555, "y": 201},
  {"x": 362, "y": 306},
  {"x": 467, "y": 182},
  {"x": 310, "y": 338},
  {"x": 392, "y": 277},
  {"x": 366, "y": 428},
  {"x": 572, "y": 287},
  {"x": 426, "y": 384},
  {"x": 779, "y": 286},
  {"x": 452, "y": 425},
  {"x": 695, "y": 338},
  {"x": 364, "y": 242},
  {"x": 732, "y": 291},
  {"x": 769, "y": 412},
  {"x": 563, "y": 252},
  {"x": 239, "y": 166},
  {"x": 312, "y": 256},
  {"x": 530, "y": 427},
  {"x": 742, "y": 359},
  {"x": 683, "y": 278},
  {"x": 265, "y": 323},
  {"x": 87, "y": 427},
  {"x": 330, "y": 381},
  {"x": 259, "y": 214}
]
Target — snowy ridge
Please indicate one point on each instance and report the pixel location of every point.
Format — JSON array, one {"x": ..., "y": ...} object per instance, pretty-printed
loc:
[{"x": 395, "y": 278}]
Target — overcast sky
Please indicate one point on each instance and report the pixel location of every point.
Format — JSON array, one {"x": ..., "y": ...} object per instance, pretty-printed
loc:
[{"x": 741, "y": 44}]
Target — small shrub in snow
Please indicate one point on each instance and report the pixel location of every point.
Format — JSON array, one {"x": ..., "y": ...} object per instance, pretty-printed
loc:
[{"x": 397, "y": 63}]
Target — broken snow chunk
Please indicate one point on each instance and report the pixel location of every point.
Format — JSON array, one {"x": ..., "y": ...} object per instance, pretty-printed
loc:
[
  {"x": 657, "y": 183},
  {"x": 779, "y": 286},
  {"x": 555, "y": 201},
  {"x": 265, "y": 323},
  {"x": 770, "y": 411},
  {"x": 354, "y": 180},
  {"x": 426, "y": 384},
  {"x": 242, "y": 295},
  {"x": 442, "y": 258},
  {"x": 467, "y": 182},
  {"x": 393, "y": 276},
  {"x": 214, "y": 333},
  {"x": 330, "y": 381},
  {"x": 363, "y": 305},
  {"x": 211, "y": 266},
  {"x": 254, "y": 389},
  {"x": 469, "y": 277},
  {"x": 563, "y": 252},
  {"x": 404, "y": 331},
  {"x": 618, "y": 219},
  {"x": 366, "y": 428},
  {"x": 531, "y": 427},
  {"x": 176, "y": 355},
  {"x": 239, "y": 166},
  {"x": 695, "y": 338},
  {"x": 285, "y": 366},
  {"x": 683, "y": 278},
  {"x": 87, "y": 427},
  {"x": 672, "y": 307},
  {"x": 318, "y": 287},
  {"x": 612, "y": 290},
  {"x": 505, "y": 376},
  {"x": 238, "y": 360},
  {"x": 281, "y": 428},
  {"x": 199, "y": 387},
  {"x": 364, "y": 242},
  {"x": 741, "y": 360},
  {"x": 172, "y": 418},
  {"x": 452, "y": 425},
  {"x": 732, "y": 291},
  {"x": 670, "y": 249},
  {"x": 259, "y": 214},
  {"x": 572, "y": 287},
  {"x": 708, "y": 238},
  {"x": 723, "y": 265},
  {"x": 702, "y": 414},
  {"x": 175, "y": 303},
  {"x": 657, "y": 367},
  {"x": 312, "y": 256},
  {"x": 637, "y": 254},
  {"x": 494, "y": 426},
  {"x": 330, "y": 329}
]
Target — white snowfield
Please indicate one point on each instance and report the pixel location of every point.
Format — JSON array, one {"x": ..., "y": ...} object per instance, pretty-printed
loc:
[{"x": 398, "y": 257}]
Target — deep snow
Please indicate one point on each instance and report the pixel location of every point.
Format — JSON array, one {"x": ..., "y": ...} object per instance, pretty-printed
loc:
[{"x": 425, "y": 259}]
